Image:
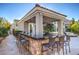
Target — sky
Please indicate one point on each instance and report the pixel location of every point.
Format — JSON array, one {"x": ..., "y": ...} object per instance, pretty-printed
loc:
[{"x": 12, "y": 11}]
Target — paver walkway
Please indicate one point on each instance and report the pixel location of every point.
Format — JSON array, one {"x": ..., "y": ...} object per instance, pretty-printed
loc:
[{"x": 9, "y": 47}]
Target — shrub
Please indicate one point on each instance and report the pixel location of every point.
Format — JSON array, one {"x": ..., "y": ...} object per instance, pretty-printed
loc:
[
  {"x": 67, "y": 28},
  {"x": 75, "y": 28},
  {"x": 4, "y": 27},
  {"x": 3, "y": 32}
]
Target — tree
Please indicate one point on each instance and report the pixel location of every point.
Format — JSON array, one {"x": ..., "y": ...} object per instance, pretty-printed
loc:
[
  {"x": 73, "y": 20},
  {"x": 1, "y": 20},
  {"x": 7, "y": 25},
  {"x": 75, "y": 27},
  {"x": 4, "y": 23},
  {"x": 68, "y": 27},
  {"x": 4, "y": 27}
]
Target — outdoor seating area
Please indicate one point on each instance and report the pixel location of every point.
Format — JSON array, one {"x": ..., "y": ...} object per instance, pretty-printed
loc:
[
  {"x": 41, "y": 29},
  {"x": 40, "y": 32},
  {"x": 34, "y": 36},
  {"x": 40, "y": 46}
]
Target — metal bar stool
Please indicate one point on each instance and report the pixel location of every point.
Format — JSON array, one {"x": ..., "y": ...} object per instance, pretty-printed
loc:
[
  {"x": 61, "y": 39},
  {"x": 45, "y": 47},
  {"x": 57, "y": 44},
  {"x": 23, "y": 42},
  {"x": 67, "y": 43},
  {"x": 54, "y": 43}
]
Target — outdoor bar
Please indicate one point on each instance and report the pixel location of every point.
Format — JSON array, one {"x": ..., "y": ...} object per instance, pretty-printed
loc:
[{"x": 32, "y": 26}]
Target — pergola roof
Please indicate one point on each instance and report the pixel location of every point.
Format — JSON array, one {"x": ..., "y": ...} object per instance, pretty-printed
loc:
[
  {"x": 36, "y": 8},
  {"x": 37, "y": 5}
]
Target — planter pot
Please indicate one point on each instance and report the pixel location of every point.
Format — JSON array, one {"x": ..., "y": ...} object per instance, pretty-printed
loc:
[{"x": 1, "y": 39}]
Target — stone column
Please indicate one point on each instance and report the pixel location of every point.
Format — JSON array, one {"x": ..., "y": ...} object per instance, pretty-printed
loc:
[
  {"x": 60, "y": 27},
  {"x": 25, "y": 27},
  {"x": 28, "y": 28},
  {"x": 56, "y": 27},
  {"x": 39, "y": 25},
  {"x": 33, "y": 30}
]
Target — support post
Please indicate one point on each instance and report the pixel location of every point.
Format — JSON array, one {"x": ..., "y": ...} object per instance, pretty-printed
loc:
[
  {"x": 39, "y": 25},
  {"x": 25, "y": 27},
  {"x": 60, "y": 27}
]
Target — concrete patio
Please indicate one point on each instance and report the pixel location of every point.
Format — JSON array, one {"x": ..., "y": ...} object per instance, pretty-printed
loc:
[{"x": 9, "y": 46}]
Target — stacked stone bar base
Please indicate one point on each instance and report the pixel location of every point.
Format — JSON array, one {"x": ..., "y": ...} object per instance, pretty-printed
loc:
[{"x": 35, "y": 45}]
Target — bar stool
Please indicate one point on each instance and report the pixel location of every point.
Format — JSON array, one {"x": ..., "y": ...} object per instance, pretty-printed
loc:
[
  {"x": 56, "y": 44},
  {"x": 53, "y": 44},
  {"x": 67, "y": 43},
  {"x": 61, "y": 39},
  {"x": 23, "y": 43},
  {"x": 45, "y": 47}
]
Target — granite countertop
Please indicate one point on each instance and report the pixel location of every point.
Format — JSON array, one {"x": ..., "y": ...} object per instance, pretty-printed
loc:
[{"x": 71, "y": 34}]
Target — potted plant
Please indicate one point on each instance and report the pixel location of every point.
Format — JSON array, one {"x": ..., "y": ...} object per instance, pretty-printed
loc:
[{"x": 48, "y": 28}]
